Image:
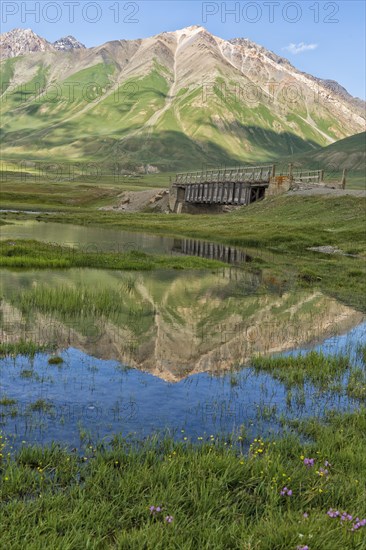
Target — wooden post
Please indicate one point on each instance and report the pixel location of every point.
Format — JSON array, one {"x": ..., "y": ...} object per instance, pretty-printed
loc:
[
  {"x": 273, "y": 170},
  {"x": 240, "y": 192},
  {"x": 290, "y": 166},
  {"x": 321, "y": 176},
  {"x": 344, "y": 178}
]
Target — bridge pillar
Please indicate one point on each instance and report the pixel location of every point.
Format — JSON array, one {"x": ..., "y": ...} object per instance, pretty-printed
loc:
[
  {"x": 216, "y": 191},
  {"x": 205, "y": 192},
  {"x": 195, "y": 189},
  {"x": 240, "y": 192},
  {"x": 212, "y": 189}
]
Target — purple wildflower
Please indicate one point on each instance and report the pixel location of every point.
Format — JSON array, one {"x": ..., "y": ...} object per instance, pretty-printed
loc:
[
  {"x": 305, "y": 515},
  {"x": 306, "y": 547},
  {"x": 169, "y": 519},
  {"x": 286, "y": 492},
  {"x": 309, "y": 462},
  {"x": 155, "y": 510},
  {"x": 359, "y": 523}
]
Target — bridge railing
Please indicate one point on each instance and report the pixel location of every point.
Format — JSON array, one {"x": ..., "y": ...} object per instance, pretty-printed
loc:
[
  {"x": 237, "y": 174},
  {"x": 308, "y": 176}
]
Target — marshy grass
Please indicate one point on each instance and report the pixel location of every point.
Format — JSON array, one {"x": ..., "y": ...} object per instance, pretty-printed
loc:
[
  {"x": 57, "y": 360},
  {"x": 34, "y": 254},
  {"x": 212, "y": 495},
  {"x": 41, "y": 405},
  {"x": 361, "y": 353},
  {"x": 66, "y": 301},
  {"x": 323, "y": 371},
  {"x": 28, "y": 373},
  {"x": 23, "y": 347},
  {"x": 7, "y": 401},
  {"x": 356, "y": 386}
]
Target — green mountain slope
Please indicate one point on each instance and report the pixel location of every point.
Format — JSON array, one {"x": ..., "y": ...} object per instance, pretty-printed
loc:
[
  {"x": 176, "y": 101},
  {"x": 348, "y": 153}
]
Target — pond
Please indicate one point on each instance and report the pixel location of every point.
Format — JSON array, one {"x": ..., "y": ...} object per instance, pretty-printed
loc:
[
  {"x": 98, "y": 239},
  {"x": 161, "y": 350}
]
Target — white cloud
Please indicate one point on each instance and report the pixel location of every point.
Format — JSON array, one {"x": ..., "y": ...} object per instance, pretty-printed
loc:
[{"x": 299, "y": 48}]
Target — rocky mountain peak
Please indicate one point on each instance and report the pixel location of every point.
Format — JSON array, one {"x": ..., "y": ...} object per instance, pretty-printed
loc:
[
  {"x": 20, "y": 42},
  {"x": 24, "y": 41},
  {"x": 68, "y": 43}
]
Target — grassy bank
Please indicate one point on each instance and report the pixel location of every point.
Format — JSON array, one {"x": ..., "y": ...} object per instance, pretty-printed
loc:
[
  {"x": 279, "y": 495},
  {"x": 34, "y": 254},
  {"x": 64, "y": 186}
]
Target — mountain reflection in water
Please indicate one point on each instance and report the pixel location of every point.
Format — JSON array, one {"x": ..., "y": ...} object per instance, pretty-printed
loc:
[{"x": 167, "y": 323}]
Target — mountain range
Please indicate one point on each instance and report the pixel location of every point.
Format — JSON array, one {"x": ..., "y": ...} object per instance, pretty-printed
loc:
[
  {"x": 24, "y": 41},
  {"x": 178, "y": 100}
]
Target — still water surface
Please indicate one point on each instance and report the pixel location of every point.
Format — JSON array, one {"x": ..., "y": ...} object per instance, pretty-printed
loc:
[
  {"x": 99, "y": 239},
  {"x": 158, "y": 350}
]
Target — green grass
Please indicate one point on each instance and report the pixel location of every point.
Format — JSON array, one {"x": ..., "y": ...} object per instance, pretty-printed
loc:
[
  {"x": 33, "y": 254},
  {"x": 356, "y": 386},
  {"x": 219, "y": 496},
  {"x": 316, "y": 368},
  {"x": 361, "y": 352}
]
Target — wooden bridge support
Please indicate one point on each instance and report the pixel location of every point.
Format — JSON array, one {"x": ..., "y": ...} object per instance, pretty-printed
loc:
[{"x": 223, "y": 193}]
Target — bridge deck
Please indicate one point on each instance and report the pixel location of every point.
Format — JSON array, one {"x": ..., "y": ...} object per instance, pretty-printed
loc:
[{"x": 239, "y": 174}]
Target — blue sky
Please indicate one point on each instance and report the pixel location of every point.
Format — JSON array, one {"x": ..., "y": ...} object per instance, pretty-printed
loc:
[{"x": 323, "y": 38}]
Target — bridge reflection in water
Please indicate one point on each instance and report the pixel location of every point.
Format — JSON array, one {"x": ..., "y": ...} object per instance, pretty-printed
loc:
[{"x": 212, "y": 251}]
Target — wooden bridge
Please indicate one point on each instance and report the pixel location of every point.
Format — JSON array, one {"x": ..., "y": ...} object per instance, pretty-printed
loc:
[{"x": 236, "y": 186}]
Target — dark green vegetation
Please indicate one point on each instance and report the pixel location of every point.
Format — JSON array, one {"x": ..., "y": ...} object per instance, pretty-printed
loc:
[
  {"x": 218, "y": 494},
  {"x": 33, "y": 254},
  {"x": 56, "y": 360}
]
